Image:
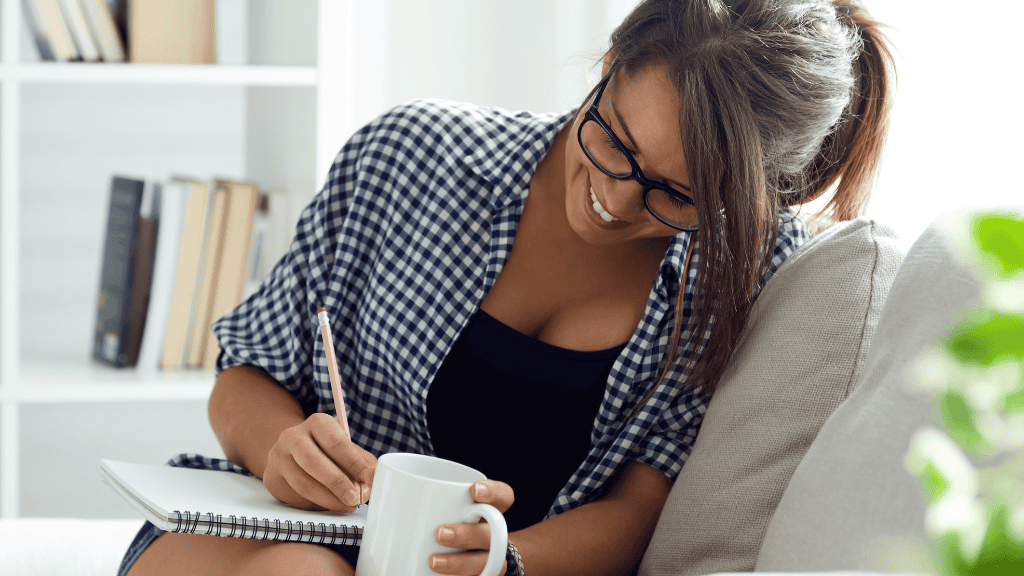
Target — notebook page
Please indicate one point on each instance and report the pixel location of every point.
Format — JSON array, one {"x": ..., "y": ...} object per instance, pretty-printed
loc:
[{"x": 165, "y": 489}]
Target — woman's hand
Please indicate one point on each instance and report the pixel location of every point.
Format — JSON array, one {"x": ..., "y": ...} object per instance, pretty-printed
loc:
[
  {"x": 473, "y": 537},
  {"x": 315, "y": 466}
]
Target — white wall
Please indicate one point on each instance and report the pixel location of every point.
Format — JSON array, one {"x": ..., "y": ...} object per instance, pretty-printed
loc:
[
  {"x": 532, "y": 54},
  {"x": 955, "y": 139}
]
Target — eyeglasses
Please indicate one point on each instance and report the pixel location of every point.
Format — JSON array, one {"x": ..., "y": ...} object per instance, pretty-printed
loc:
[{"x": 610, "y": 156}]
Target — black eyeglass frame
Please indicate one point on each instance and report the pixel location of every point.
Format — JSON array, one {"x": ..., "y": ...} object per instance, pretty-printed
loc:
[{"x": 637, "y": 175}]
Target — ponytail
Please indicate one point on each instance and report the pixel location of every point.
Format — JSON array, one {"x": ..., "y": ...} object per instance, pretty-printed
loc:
[{"x": 851, "y": 153}]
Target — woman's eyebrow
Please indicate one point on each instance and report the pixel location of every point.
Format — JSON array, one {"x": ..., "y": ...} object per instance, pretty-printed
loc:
[
  {"x": 629, "y": 135},
  {"x": 624, "y": 127}
]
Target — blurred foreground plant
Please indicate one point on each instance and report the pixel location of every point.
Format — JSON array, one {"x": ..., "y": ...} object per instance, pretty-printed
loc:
[{"x": 976, "y": 516}]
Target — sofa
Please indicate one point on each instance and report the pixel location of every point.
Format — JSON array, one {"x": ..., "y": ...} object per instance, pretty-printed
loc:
[{"x": 799, "y": 464}]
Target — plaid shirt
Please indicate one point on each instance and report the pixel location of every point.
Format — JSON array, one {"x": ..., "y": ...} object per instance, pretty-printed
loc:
[{"x": 410, "y": 232}]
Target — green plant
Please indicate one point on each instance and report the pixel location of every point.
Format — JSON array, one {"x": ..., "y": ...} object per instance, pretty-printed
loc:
[{"x": 976, "y": 515}]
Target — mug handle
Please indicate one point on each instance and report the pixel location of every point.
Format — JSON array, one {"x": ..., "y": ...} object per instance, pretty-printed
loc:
[{"x": 499, "y": 536}]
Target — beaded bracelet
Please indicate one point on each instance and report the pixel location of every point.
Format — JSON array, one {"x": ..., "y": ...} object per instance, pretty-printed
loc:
[{"x": 515, "y": 562}]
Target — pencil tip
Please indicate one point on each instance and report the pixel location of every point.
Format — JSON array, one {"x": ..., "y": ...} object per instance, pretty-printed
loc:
[{"x": 321, "y": 309}]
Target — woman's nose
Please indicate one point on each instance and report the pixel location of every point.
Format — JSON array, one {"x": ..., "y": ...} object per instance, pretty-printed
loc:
[{"x": 623, "y": 198}]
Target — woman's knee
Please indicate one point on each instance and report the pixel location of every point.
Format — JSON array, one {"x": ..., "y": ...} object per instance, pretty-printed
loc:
[{"x": 295, "y": 558}]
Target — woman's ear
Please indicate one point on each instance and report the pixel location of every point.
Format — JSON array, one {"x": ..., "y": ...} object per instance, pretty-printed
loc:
[{"x": 606, "y": 63}]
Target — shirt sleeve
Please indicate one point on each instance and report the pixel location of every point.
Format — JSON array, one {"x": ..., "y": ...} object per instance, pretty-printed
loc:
[{"x": 674, "y": 429}]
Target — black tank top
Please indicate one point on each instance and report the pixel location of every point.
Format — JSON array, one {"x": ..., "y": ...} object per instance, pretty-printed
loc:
[{"x": 517, "y": 409}]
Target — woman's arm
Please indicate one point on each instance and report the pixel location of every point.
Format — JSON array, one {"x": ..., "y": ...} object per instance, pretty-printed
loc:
[
  {"x": 608, "y": 536},
  {"x": 248, "y": 411},
  {"x": 307, "y": 462}
]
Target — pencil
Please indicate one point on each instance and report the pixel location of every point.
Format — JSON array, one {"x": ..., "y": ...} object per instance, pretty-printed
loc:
[{"x": 332, "y": 369}]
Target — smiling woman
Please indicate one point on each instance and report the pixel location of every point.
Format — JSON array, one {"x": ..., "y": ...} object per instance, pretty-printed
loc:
[
  {"x": 778, "y": 102},
  {"x": 548, "y": 298},
  {"x": 606, "y": 151}
]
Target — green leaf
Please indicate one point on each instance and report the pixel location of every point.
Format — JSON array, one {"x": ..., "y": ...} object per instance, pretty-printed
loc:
[
  {"x": 1001, "y": 240},
  {"x": 960, "y": 421},
  {"x": 951, "y": 559},
  {"x": 933, "y": 484},
  {"x": 985, "y": 336},
  {"x": 1001, "y": 554},
  {"x": 1014, "y": 402}
]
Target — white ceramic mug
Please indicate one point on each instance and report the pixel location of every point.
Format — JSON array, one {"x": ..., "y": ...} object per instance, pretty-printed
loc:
[{"x": 412, "y": 496}]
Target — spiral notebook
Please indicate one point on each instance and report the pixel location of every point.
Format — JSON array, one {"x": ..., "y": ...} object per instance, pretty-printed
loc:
[{"x": 219, "y": 503}]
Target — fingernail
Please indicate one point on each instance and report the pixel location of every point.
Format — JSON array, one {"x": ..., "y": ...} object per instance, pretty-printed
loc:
[
  {"x": 443, "y": 533},
  {"x": 352, "y": 498},
  {"x": 481, "y": 489},
  {"x": 438, "y": 562},
  {"x": 366, "y": 493}
]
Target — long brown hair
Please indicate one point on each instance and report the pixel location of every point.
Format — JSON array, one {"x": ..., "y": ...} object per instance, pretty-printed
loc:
[{"x": 780, "y": 102}]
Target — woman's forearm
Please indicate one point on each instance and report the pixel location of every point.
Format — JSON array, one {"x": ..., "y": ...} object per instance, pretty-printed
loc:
[
  {"x": 248, "y": 411},
  {"x": 604, "y": 537}
]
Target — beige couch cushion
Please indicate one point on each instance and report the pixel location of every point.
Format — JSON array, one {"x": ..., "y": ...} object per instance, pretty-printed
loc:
[
  {"x": 805, "y": 346},
  {"x": 851, "y": 504}
]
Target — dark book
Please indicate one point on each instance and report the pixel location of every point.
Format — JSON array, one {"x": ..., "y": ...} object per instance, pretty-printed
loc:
[
  {"x": 140, "y": 287},
  {"x": 127, "y": 270}
]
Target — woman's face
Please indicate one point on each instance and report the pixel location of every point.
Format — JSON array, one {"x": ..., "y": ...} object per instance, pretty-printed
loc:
[{"x": 643, "y": 111}]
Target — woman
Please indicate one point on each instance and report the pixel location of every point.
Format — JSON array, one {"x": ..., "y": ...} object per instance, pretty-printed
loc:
[{"x": 534, "y": 295}]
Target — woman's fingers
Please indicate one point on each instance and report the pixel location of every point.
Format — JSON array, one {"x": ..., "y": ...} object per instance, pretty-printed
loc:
[
  {"x": 340, "y": 496},
  {"x": 311, "y": 460},
  {"x": 475, "y": 537},
  {"x": 288, "y": 482},
  {"x": 493, "y": 492},
  {"x": 316, "y": 465},
  {"x": 462, "y": 564},
  {"x": 465, "y": 536},
  {"x": 358, "y": 464}
]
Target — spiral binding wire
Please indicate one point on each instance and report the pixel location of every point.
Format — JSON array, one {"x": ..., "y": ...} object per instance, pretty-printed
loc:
[{"x": 188, "y": 522}]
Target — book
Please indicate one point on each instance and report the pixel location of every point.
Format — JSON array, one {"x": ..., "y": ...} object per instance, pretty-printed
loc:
[
  {"x": 184, "y": 298},
  {"x": 256, "y": 262},
  {"x": 101, "y": 22},
  {"x": 119, "y": 10},
  {"x": 140, "y": 286},
  {"x": 172, "y": 32},
  {"x": 174, "y": 198},
  {"x": 206, "y": 283},
  {"x": 37, "y": 31},
  {"x": 123, "y": 215},
  {"x": 51, "y": 32},
  {"x": 227, "y": 504},
  {"x": 74, "y": 16},
  {"x": 271, "y": 235},
  {"x": 241, "y": 204}
]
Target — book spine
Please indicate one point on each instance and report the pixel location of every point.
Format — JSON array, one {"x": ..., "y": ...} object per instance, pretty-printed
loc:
[
  {"x": 60, "y": 37},
  {"x": 104, "y": 29},
  {"x": 123, "y": 217},
  {"x": 74, "y": 19},
  {"x": 39, "y": 34},
  {"x": 207, "y": 282},
  {"x": 265, "y": 529}
]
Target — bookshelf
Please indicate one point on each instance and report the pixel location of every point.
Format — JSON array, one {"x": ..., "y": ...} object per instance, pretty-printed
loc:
[{"x": 295, "y": 79}]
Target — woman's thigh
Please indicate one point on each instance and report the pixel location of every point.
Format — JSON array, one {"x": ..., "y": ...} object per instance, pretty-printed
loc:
[{"x": 197, "y": 555}]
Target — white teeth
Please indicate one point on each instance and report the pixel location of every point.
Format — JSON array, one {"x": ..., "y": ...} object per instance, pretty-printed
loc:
[{"x": 600, "y": 209}]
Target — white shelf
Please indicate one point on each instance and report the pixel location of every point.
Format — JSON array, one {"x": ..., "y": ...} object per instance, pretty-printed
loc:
[
  {"x": 212, "y": 75},
  {"x": 92, "y": 382}
]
